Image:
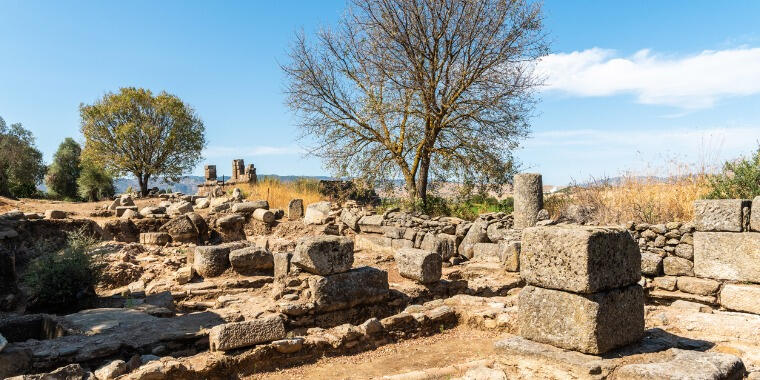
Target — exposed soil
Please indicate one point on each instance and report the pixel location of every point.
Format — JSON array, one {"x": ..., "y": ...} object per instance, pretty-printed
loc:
[{"x": 458, "y": 345}]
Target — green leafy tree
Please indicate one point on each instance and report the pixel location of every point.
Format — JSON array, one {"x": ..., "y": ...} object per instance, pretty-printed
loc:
[
  {"x": 133, "y": 131},
  {"x": 62, "y": 175},
  {"x": 21, "y": 167},
  {"x": 94, "y": 182},
  {"x": 740, "y": 179}
]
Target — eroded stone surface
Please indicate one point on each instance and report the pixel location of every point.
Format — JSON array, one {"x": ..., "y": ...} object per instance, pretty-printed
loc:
[
  {"x": 719, "y": 214},
  {"x": 340, "y": 291},
  {"x": 324, "y": 255},
  {"x": 247, "y": 333},
  {"x": 579, "y": 259},
  {"x": 685, "y": 365},
  {"x": 419, "y": 265},
  {"x": 727, "y": 255},
  {"x": 593, "y": 323},
  {"x": 741, "y": 297}
]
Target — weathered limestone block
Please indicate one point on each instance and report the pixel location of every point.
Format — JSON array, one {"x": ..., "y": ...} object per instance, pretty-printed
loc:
[
  {"x": 250, "y": 207},
  {"x": 130, "y": 214},
  {"x": 155, "y": 238},
  {"x": 364, "y": 285},
  {"x": 486, "y": 251},
  {"x": 247, "y": 333},
  {"x": 651, "y": 264},
  {"x": 317, "y": 213},
  {"x": 443, "y": 244},
  {"x": 727, "y": 255},
  {"x": 263, "y": 215},
  {"x": 111, "y": 370},
  {"x": 324, "y": 255},
  {"x": 418, "y": 265},
  {"x": 295, "y": 209},
  {"x": 685, "y": 251},
  {"x": 579, "y": 259},
  {"x": 150, "y": 210},
  {"x": 371, "y": 224},
  {"x": 230, "y": 227},
  {"x": 211, "y": 260},
  {"x": 716, "y": 215},
  {"x": 509, "y": 253},
  {"x": 590, "y": 323},
  {"x": 685, "y": 364},
  {"x": 665, "y": 282},
  {"x": 676, "y": 266},
  {"x": 281, "y": 264},
  {"x": 178, "y": 208},
  {"x": 350, "y": 218},
  {"x": 741, "y": 297},
  {"x": 119, "y": 211},
  {"x": 529, "y": 199},
  {"x": 700, "y": 286},
  {"x": 754, "y": 215},
  {"x": 182, "y": 229},
  {"x": 251, "y": 259},
  {"x": 476, "y": 234}
]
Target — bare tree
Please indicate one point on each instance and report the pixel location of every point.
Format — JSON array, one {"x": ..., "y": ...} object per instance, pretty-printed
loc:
[{"x": 419, "y": 89}]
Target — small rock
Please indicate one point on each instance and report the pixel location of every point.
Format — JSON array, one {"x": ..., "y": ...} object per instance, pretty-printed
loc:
[
  {"x": 288, "y": 346},
  {"x": 111, "y": 370}
]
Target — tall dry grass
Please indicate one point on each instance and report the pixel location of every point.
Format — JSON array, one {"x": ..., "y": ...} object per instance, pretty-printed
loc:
[
  {"x": 279, "y": 193},
  {"x": 640, "y": 197}
]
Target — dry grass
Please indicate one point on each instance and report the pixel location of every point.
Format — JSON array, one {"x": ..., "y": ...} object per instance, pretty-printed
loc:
[
  {"x": 279, "y": 193},
  {"x": 634, "y": 198}
]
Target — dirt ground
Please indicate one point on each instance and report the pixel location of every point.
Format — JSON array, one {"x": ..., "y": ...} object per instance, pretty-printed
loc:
[{"x": 454, "y": 346}]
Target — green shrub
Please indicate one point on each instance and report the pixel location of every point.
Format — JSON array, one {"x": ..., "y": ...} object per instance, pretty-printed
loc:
[
  {"x": 62, "y": 281},
  {"x": 740, "y": 179},
  {"x": 94, "y": 182}
]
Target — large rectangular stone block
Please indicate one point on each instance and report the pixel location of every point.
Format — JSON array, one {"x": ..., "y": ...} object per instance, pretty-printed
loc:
[
  {"x": 579, "y": 259},
  {"x": 590, "y": 323},
  {"x": 324, "y": 255},
  {"x": 727, "y": 255},
  {"x": 365, "y": 285},
  {"x": 247, "y": 333},
  {"x": 715, "y": 215}
]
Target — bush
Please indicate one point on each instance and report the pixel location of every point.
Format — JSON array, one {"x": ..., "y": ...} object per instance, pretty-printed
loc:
[
  {"x": 62, "y": 281},
  {"x": 94, "y": 182},
  {"x": 740, "y": 179},
  {"x": 465, "y": 207}
]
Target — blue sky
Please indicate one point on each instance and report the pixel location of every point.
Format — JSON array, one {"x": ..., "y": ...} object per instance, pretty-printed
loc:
[{"x": 630, "y": 85}]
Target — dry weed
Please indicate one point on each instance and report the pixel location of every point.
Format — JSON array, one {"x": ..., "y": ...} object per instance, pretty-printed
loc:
[{"x": 279, "y": 193}]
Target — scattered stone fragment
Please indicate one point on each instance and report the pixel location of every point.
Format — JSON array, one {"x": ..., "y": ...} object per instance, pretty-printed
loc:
[
  {"x": 295, "y": 209},
  {"x": 181, "y": 229},
  {"x": 317, "y": 213},
  {"x": 288, "y": 346},
  {"x": 247, "y": 333},
  {"x": 111, "y": 370},
  {"x": 56, "y": 214},
  {"x": 685, "y": 364},
  {"x": 154, "y": 238},
  {"x": 419, "y": 265},
  {"x": 250, "y": 207}
]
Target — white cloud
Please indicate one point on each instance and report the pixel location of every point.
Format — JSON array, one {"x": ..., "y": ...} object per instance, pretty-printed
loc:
[
  {"x": 690, "y": 82},
  {"x": 251, "y": 151}
]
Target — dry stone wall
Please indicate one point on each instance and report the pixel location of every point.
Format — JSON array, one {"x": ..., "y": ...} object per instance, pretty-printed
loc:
[{"x": 715, "y": 259}]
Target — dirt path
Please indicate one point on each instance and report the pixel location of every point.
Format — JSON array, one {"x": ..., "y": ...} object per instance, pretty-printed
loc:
[{"x": 454, "y": 346}]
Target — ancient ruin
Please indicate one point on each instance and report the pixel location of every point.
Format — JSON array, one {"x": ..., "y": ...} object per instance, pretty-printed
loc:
[
  {"x": 241, "y": 174},
  {"x": 197, "y": 287}
]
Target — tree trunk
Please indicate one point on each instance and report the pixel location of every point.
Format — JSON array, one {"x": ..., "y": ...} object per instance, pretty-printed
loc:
[
  {"x": 422, "y": 178},
  {"x": 411, "y": 190},
  {"x": 143, "y": 180}
]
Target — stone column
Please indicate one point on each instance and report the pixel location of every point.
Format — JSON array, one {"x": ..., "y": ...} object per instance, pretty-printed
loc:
[
  {"x": 528, "y": 195},
  {"x": 211, "y": 173}
]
